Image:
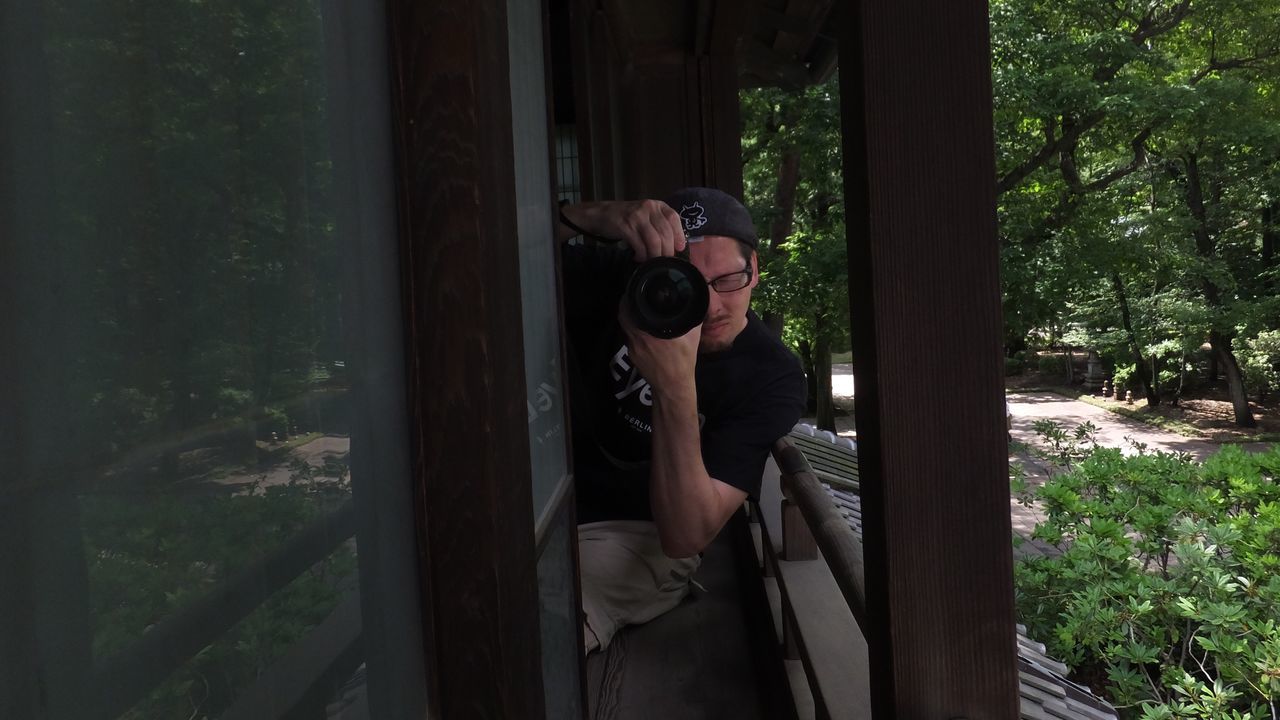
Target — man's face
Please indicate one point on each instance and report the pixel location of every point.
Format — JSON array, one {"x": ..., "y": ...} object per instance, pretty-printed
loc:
[{"x": 726, "y": 316}]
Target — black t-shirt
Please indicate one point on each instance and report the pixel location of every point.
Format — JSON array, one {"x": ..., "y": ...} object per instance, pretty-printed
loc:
[{"x": 748, "y": 396}]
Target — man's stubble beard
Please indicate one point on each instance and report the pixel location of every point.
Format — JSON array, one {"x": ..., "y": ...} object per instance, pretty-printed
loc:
[{"x": 713, "y": 346}]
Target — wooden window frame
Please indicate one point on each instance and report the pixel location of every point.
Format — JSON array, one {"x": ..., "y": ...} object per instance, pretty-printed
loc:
[{"x": 460, "y": 276}]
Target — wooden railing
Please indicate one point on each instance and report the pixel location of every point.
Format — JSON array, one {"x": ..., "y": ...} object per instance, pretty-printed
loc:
[
  {"x": 809, "y": 549},
  {"x": 824, "y": 528},
  {"x": 124, "y": 679}
]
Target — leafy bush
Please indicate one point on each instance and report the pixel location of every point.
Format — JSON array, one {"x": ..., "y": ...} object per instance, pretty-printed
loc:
[
  {"x": 1062, "y": 447},
  {"x": 1165, "y": 596},
  {"x": 1051, "y": 364},
  {"x": 1259, "y": 361},
  {"x": 1013, "y": 365},
  {"x": 151, "y": 556},
  {"x": 1123, "y": 374}
]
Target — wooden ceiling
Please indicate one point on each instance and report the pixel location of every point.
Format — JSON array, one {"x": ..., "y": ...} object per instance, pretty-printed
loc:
[{"x": 785, "y": 43}]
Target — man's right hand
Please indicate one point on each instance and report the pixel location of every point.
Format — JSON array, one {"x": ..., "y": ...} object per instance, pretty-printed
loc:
[{"x": 650, "y": 227}]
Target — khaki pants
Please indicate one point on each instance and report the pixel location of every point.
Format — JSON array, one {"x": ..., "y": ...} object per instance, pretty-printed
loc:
[{"x": 626, "y": 579}]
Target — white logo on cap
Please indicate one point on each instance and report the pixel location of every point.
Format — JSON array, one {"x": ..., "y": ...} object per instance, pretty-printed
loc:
[{"x": 693, "y": 216}]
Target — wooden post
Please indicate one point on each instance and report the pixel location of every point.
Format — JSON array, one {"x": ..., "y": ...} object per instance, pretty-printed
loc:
[
  {"x": 457, "y": 222},
  {"x": 924, "y": 280},
  {"x": 797, "y": 540}
]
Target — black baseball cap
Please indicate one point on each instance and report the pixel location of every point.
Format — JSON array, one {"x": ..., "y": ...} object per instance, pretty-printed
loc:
[{"x": 707, "y": 211}]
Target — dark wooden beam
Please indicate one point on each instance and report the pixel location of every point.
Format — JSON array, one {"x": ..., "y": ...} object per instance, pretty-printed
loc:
[
  {"x": 623, "y": 40},
  {"x": 702, "y": 27},
  {"x": 722, "y": 133},
  {"x": 776, "y": 21},
  {"x": 926, "y": 325},
  {"x": 813, "y": 13},
  {"x": 773, "y": 67},
  {"x": 729, "y": 25},
  {"x": 594, "y": 79},
  {"x": 457, "y": 217}
]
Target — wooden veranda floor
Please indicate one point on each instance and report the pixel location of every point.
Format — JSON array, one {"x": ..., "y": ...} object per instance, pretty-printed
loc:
[{"x": 715, "y": 656}]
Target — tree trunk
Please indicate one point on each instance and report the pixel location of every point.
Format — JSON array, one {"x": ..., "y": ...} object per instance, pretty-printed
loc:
[
  {"x": 811, "y": 375},
  {"x": 1139, "y": 362},
  {"x": 826, "y": 404},
  {"x": 1206, "y": 247},
  {"x": 1270, "y": 237},
  {"x": 1235, "y": 379},
  {"x": 784, "y": 201},
  {"x": 1182, "y": 380},
  {"x": 1270, "y": 233}
]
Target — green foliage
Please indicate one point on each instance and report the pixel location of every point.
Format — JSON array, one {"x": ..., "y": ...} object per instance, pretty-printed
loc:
[
  {"x": 1260, "y": 361},
  {"x": 1051, "y": 364},
  {"x": 1065, "y": 449},
  {"x": 1013, "y": 366},
  {"x": 1164, "y": 598},
  {"x": 1137, "y": 168},
  {"x": 150, "y": 557},
  {"x": 804, "y": 277},
  {"x": 1124, "y": 375},
  {"x": 195, "y": 220},
  {"x": 192, "y": 151}
]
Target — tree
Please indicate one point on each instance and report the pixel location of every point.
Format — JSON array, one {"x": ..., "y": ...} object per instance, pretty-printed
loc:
[
  {"x": 793, "y": 186},
  {"x": 1159, "y": 118}
]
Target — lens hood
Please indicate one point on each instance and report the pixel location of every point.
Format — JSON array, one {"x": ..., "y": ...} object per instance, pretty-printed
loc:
[{"x": 668, "y": 297}]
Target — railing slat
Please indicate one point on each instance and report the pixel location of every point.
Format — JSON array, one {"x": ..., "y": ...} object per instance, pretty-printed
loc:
[
  {"x": 835, "y": 538},
  {"x": 826, "y": 636},
  {"x": 297, "y": 683},
  {"x": 123, "y": 679}
]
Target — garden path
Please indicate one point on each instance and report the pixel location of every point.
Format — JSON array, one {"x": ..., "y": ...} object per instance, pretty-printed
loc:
[
  {"x": 1113, "y": 431},
  {"x": 1028, "y": 407}
]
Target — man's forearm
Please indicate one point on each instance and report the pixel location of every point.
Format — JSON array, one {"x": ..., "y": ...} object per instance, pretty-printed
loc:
[{"x": 687, "y": 502}]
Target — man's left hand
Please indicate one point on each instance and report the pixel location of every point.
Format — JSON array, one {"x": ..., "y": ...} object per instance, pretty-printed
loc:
[{"x": 668, "y": 364}]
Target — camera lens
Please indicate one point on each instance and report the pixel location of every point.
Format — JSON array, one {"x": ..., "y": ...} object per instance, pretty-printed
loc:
[
  {"x": 668, "y": 297},
  {"x": 667, "y": 292}
]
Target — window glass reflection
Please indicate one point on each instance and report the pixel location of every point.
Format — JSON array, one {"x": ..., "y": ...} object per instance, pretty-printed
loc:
[{"x": 210, "y": 366}]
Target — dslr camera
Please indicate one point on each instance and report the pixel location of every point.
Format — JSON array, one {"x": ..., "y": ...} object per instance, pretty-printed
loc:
[{"x": 667, "y": 296}]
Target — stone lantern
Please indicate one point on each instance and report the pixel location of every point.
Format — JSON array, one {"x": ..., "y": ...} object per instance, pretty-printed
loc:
[{"x": 1093, "y": 376}]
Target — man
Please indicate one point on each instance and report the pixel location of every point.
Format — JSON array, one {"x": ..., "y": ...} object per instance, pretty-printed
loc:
[{"x": 670, "y": 435}]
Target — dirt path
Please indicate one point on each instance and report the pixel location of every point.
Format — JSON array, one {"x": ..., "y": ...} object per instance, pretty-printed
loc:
[
  {"x": 1113, "y": 429},
  {"x": 315, "y": 453},
  {"x": 1028, "y": 407}
]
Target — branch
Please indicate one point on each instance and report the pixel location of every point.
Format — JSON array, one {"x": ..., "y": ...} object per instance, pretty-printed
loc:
[
  {"x": 1070, "y": 173},
  {"x": 1152, "y": 24},
  {"x": 1252, "y": 61},
  {"x": 1139, "y": 145},
  {"x": 1053, "y": 146}
]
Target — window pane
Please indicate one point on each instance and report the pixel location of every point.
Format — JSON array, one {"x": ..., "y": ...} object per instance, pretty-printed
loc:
[
  {"x": 552, "y": 495},
  {"x": 210, "y": 509},
  {"x": 561, "y": 647},
  {"x": 537, "y": 258}
]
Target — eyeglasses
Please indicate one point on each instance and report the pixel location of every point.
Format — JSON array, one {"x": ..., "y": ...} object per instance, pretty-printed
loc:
[{"x": 731, "y": 282}]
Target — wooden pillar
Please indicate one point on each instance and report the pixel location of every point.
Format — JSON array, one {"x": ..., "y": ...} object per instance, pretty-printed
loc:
[
  {"x": 926, "y": 324},
  {"x": 457, "y": 221}
]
